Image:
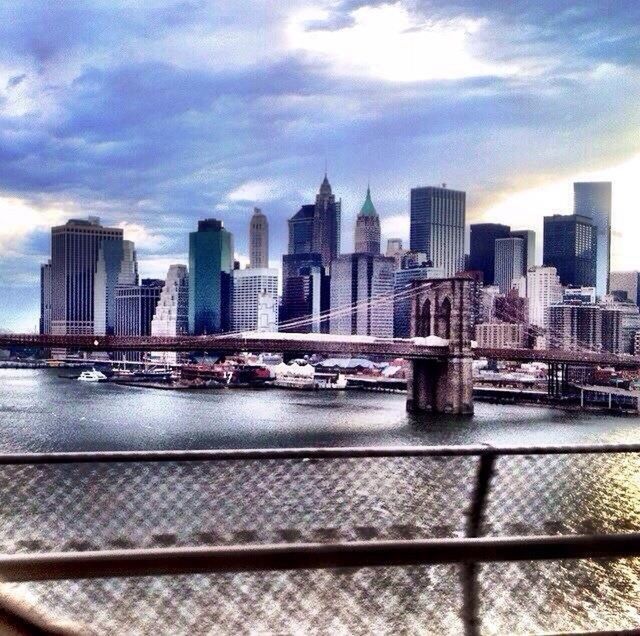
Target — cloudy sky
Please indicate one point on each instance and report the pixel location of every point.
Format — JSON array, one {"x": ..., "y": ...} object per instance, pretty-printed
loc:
[{"x": 154, "y": 113}]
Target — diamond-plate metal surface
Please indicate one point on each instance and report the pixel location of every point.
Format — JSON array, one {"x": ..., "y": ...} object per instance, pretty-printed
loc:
[
  {"x": 564, "y": 494},
  {"x": 412, "y": 600},
  {"x": 155, "y": 504}
]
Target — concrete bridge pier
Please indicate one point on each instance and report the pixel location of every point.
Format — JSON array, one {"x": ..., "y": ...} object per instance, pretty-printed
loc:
[{"x": 443, "y": 385}]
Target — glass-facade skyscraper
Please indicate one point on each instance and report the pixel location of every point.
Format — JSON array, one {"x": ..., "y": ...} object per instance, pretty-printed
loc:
[
  {"x": 570, "y": 245},
  {"x": 210, "y": 268},
  {"x": 593, "y": 200},
  {"x": 437, "y": 226},
  {"x": 482, "y": 248}
]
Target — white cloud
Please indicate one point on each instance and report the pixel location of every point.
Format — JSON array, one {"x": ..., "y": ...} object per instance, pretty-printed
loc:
[
  {"x": 143, "y": 238},
  {"x": 256, "y": 191},
  {"x": 18, "y": 219},
  {"x": 386, "y": 42}
]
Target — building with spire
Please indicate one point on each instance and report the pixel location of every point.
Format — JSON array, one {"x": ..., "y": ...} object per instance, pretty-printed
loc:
[
  {"x": 367, "y": 236},
  {"x": 258, "y": 240},
  {"x": 326, "y": 224}
]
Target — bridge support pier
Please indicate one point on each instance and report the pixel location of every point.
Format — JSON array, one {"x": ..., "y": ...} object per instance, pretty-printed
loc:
[{"x": 441, "y": 386}]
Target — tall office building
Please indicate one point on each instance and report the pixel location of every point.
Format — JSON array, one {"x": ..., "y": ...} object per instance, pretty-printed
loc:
[
  {"x": 367, "y": 235},
  {"x": 482, "y": 248},
  {"x": 305, "y": 294},
  {"x": 438, "y": 225},
  {"x": 543, "y": 290},
  {"x": 210, "y": 267},
  {"x": 248, "y": 286},
  {"x": 509, "y": 262},
  {"x": 529, "y": 239},
  {"x": 403, "y": 296},
  {"x": 75, "y": 249},
  {"x": 362, "y": 295},
  {"x": 626, "y": 282},
  {"x": 570, "y": 245},
  {"x": 136, "y": 306},
  {"x": 301, "y": 230},
  {"x": 593, "y": 200},
  {"x": 171, "y": 317},
  {"x": 116, "y": 265},
  {"x": 45, "y": 298},
  {"x": 258, "y": 240},
  {"x": 326, "y": 224}
]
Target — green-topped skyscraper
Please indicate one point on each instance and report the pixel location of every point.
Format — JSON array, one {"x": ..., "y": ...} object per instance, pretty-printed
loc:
[{"x": 367, "y": 237}]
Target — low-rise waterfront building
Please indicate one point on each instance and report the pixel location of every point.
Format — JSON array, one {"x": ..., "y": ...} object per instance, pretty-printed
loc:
[{"x": 502, "y": 335}]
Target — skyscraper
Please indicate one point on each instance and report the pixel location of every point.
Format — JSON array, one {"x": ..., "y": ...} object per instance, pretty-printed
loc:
[
  {"x": 258, "y": 240},
  {"x": 529, "y": 238},
  {"x": 75, "y": 248},
  {"x": 482, "y": 248},
  {"x": 570, "y": 245},
  {"x": 210, "y": 267},
  {"x": 116, "y": 265},
  {"x": 135, "y": 307},
  {"x": 305, "y": 293},
  {"x": 367, "y": 235},
  {"x": 326, "y": 224},
  {"x": 301, "y": 230},
  {"x": 171, "y": 317},
  {"x": 248, "y": 285},
  {"x": 509, "y": 262},
  {"x": 45, "y": 298},
  {"x": 438, "y": 225},
  {"x": 543, "y": 289},
  {"x": 593, "y": 200},
  {"x": 362, "y": 295}
]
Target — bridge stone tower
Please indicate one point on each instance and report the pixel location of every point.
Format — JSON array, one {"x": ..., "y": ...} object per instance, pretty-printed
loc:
[{"x": 443, "y": 308}]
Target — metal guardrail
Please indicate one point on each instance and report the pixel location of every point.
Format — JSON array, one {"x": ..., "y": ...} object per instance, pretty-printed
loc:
[{"x": 470, "y": 551}]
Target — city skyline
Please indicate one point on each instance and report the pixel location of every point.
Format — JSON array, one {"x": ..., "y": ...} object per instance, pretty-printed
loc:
[{"x": 101, "y": 118}]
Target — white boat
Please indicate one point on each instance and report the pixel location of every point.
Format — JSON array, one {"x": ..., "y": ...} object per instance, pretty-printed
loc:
[{"x": 92, "y": 376}]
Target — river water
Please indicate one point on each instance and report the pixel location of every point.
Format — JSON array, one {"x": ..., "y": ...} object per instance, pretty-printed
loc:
[
  {"x": 84, "y": 507},
  {"x": 40, "y": 411}
]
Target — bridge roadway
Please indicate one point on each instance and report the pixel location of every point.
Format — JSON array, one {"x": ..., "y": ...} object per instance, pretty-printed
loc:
[{"x": 290, "y": 343}]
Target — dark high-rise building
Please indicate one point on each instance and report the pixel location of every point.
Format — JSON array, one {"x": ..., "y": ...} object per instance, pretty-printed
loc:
[
  {"x": 438, "y": 225},
  {"x": 482, "y": 244},
  {"x": 45, "y": 298},
  {"x": 301, "y": 230},
  {"x": 135, "y": 307},
  {"x": 367, "y": 235},
  {"x": 75, "y": 249},
  {"x": 570, "y": 245},
  {"x": 326, "y": 224},
  {"x": 529, "y": 244},
  {"x": 593, "y": 200},
  {"x": 305, "y": 294},
  {"x": 210, "y": 267}
]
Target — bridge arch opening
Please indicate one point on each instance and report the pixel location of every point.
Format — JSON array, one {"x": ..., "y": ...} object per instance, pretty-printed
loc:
[
  {"x": 425, "y": 319},
  {"x": 443, "y": 322}
]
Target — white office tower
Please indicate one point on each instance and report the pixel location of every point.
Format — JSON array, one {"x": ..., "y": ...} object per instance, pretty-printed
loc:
[
  {"x": 129, "y": 267},
  {"x": 247, "y": 285},
  {"x": 267, "y": 312},
  {"x": 488, "y": 297},
  {"x": 172, "y": 311},
  {"x": 543, "y": 289},
  {"x": 258, "y": 240},
  {"x": 361, "y": 295}
]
